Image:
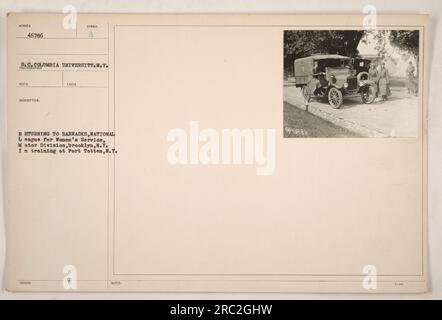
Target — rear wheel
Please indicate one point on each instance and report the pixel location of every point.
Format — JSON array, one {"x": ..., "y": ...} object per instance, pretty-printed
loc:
[
  {"x": 306, "y": 93},
  {"x": 335, "y": 98},
  {"x": 368, "y": 94}
]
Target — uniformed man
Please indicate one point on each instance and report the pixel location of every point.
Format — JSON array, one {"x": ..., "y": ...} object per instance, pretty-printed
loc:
[
  {"x": 410, "y": 77},
  {"x": 384, "y": 82}
]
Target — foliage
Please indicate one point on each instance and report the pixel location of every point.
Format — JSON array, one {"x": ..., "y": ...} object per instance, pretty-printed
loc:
[
  {"x": 406, "y": 40},
  {"x": 380, "y": 38},
  {"x": 302, "y": 43}
]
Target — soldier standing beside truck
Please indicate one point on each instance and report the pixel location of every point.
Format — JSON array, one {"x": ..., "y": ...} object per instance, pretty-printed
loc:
[
  {"x": 410, "y": 77},
  {"x": 384, "y": 82},
  {"x": 373, "y": 76}
]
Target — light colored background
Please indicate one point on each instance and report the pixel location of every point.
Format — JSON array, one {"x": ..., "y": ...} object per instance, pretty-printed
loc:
[{"x": 433, "y": 7}]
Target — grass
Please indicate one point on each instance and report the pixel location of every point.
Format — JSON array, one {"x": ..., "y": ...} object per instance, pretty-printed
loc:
[{"x": 302, "y": 124}]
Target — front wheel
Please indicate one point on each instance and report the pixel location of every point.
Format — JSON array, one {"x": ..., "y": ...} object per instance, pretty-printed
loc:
[
  {"x": 368, "y": 94},
  {"x": 335, "y": 98}
]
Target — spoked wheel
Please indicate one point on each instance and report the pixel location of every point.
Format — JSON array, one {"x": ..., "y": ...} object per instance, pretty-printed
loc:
[
  {"x": 306, "y": 93},
  {"x": 335, "y": 98},
  {"x": 368, "y": 95}
]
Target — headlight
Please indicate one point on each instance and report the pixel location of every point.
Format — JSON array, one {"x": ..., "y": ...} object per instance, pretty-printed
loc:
[{"x": 346, "y": 85}]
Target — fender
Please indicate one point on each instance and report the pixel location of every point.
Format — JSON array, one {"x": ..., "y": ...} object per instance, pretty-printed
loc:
[{"x": 364, "y": 83}]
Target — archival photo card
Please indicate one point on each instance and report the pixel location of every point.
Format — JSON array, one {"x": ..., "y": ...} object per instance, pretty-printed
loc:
[
  {"x": 352, "y": 83},
  {"x": 154, "y": 153}
]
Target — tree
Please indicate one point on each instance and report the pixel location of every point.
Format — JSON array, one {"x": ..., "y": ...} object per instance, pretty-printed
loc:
[
  {"x": 380, "y": 39},
  {"x": 302, "y": 43},
  {"x": 406, "y": 40}
]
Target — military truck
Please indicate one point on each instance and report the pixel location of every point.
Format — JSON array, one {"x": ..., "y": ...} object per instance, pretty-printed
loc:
[{"x": 333, "y": 77}]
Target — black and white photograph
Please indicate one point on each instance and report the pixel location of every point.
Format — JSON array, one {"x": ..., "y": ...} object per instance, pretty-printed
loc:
[{"x": 351, "y": 83}]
